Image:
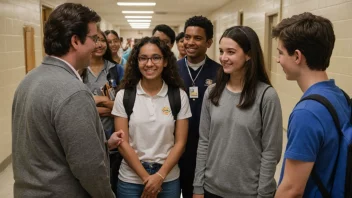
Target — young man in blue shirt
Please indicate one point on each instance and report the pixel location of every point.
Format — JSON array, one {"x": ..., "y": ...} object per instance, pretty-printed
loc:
[
  {"x": 198, "y": 72},
  {"x": 305, "y": 44}
]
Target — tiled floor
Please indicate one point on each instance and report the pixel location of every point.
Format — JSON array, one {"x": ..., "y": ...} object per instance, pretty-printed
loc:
[{"x": 6, "y": 177}]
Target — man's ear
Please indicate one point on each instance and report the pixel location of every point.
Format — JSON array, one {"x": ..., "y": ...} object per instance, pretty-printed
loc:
[
  {"x": 75, "y": 42},
  {"x": 209, "y": 42}
]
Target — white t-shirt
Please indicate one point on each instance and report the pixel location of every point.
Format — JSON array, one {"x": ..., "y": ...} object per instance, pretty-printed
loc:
[{"x": 151, "y": 129}]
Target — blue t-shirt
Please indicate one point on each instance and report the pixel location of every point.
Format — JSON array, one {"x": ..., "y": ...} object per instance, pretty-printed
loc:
[{"x": 312, "y": 136}]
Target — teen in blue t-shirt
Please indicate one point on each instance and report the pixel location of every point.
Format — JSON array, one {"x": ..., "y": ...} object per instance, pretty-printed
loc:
[{"x": 312, "y": 136}]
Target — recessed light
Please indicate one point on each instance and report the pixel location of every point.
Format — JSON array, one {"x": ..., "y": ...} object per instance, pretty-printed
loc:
[
  {"x": 137, "y": 20},
  {"x": 137, "y": 12},
  {"x": 136, "y": 3},
  {"x": 138, "y": 17}
]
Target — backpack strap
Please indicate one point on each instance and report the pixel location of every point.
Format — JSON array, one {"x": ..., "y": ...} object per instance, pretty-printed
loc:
[
  {"x": 349, "y": 100},
  {"x": 175, "y": 100},
  {"x": 322, "y": 100},
  {"x": 261, "y": 102},
  {"x": 129, "y": 97}
]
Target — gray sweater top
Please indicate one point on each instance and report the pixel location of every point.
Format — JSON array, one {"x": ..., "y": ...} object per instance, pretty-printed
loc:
[
  {"x": 58, "y": 143},
  {"x": 237, "y": 154}
]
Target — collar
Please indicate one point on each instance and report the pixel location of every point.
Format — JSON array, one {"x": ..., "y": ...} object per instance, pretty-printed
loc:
[
  {"x": 162, "y": 92},
  {"x": 197, "y": 64},
  {"x": 72, "y": 68},
  {"x": 322, "y": 84}
]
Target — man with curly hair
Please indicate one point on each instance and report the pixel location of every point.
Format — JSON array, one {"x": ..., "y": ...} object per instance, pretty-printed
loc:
[{"x": 198, "y": 72}]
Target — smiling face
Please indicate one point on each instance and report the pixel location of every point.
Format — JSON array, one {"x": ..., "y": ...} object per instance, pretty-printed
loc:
[
  {"x": 287, "y": 62},
  {"x": 151, "y": 62},
  {"x": 196, "y": 43},
  {"x": 100, "y": 47},
  {"x": 181, "y": 47},
  {"x": 232, "y": 57},
  {"x": 114, "y": 43},
  {"x": 85, "y": 50}
]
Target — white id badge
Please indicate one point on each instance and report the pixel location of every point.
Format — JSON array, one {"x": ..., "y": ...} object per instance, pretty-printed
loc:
[{"x": 193, "y": 92}]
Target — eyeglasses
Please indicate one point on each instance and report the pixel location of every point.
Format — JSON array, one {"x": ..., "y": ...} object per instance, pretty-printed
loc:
[
  {"x": 94, "y": 38},
  {"x": 154, "y": 59}
]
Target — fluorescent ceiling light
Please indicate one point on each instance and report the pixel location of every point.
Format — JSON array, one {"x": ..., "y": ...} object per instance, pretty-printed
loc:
[
  {"x": 140, "y": 27},
  {"x": 136, "y": 3},
  {"x": 138, "y": 17},
  {"x": 137, "y": 12},
  {"x": 134, "y": 20},
  {"x": 139, "y": 23}
]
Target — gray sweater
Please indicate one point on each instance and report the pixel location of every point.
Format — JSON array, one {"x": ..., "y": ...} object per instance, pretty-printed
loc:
[
  {"x": 58, "y": 144},
  {"x": 237, "y": 155}
]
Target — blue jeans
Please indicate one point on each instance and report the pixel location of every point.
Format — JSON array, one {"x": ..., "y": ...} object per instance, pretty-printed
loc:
[{"x": 171, "y": 189}]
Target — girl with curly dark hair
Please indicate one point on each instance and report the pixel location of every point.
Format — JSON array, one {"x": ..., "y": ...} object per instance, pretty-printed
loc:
[{"x": 153, "y": 141}]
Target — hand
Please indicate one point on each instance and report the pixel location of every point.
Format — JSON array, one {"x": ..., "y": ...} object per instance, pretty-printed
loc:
[
  {"x": 115, "y": 139},
  {"x": 152, "y": 186},
  {"x": 197, "y": 196},
  {"x": 101, "y": 99}
]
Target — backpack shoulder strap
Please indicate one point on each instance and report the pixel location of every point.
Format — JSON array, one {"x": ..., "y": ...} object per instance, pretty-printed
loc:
[
  {"x": 349, "y": 100},
  {"x": 261, "y": 102},
  {"x": 322, "y": 100},
  {"x": 129, "y": 98},
  {"x": 175, "y": 100}
]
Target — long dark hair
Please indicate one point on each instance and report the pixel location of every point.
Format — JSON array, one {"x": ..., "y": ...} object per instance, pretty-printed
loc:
[
  {"x": 107, "y": 55},
  {"x": 170, "y": 73},
  {"x": 254, "y": 68}
]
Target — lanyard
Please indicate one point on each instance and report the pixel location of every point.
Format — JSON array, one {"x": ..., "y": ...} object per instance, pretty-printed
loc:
[{"x": 189, "y": 72}]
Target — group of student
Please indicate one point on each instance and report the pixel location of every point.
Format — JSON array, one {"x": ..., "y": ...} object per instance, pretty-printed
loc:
[{"x": 189, "y": 126}]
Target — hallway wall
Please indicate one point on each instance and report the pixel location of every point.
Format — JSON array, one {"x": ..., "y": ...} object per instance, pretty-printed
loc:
[{"x": 13, "y": 16}]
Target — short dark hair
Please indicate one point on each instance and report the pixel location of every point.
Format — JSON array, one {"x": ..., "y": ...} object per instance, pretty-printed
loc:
[
  {"x": 67, "y": 20},
  {"x": 166, "y": 30},
  {"x": 180, "y": 36},
  {"x": 107, "y": 32},
  {"x": 170, "y": 73},
  {"x": 202, "y": 22},
  {"x": 312, "y": 35},
  {"x": 254, "y": 68}
]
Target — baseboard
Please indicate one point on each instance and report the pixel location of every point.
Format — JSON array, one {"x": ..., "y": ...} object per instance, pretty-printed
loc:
[{"x": 5, "y": 163}]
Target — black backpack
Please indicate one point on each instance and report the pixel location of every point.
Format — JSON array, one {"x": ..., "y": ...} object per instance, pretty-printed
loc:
[
  {"x": 173, "y": 94},
  {"x": 342, "y": 172}
]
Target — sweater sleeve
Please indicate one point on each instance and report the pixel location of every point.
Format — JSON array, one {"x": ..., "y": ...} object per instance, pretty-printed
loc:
[
  {"x": 204, "y": 128},
  {"x": 82, "y": 139},
  {"x": 271, "y": 143}
]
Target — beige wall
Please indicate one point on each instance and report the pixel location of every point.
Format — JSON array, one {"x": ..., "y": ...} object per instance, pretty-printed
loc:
[
  {"x": 14, "y": 14},
  {"x": 338, "y": 11}
]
